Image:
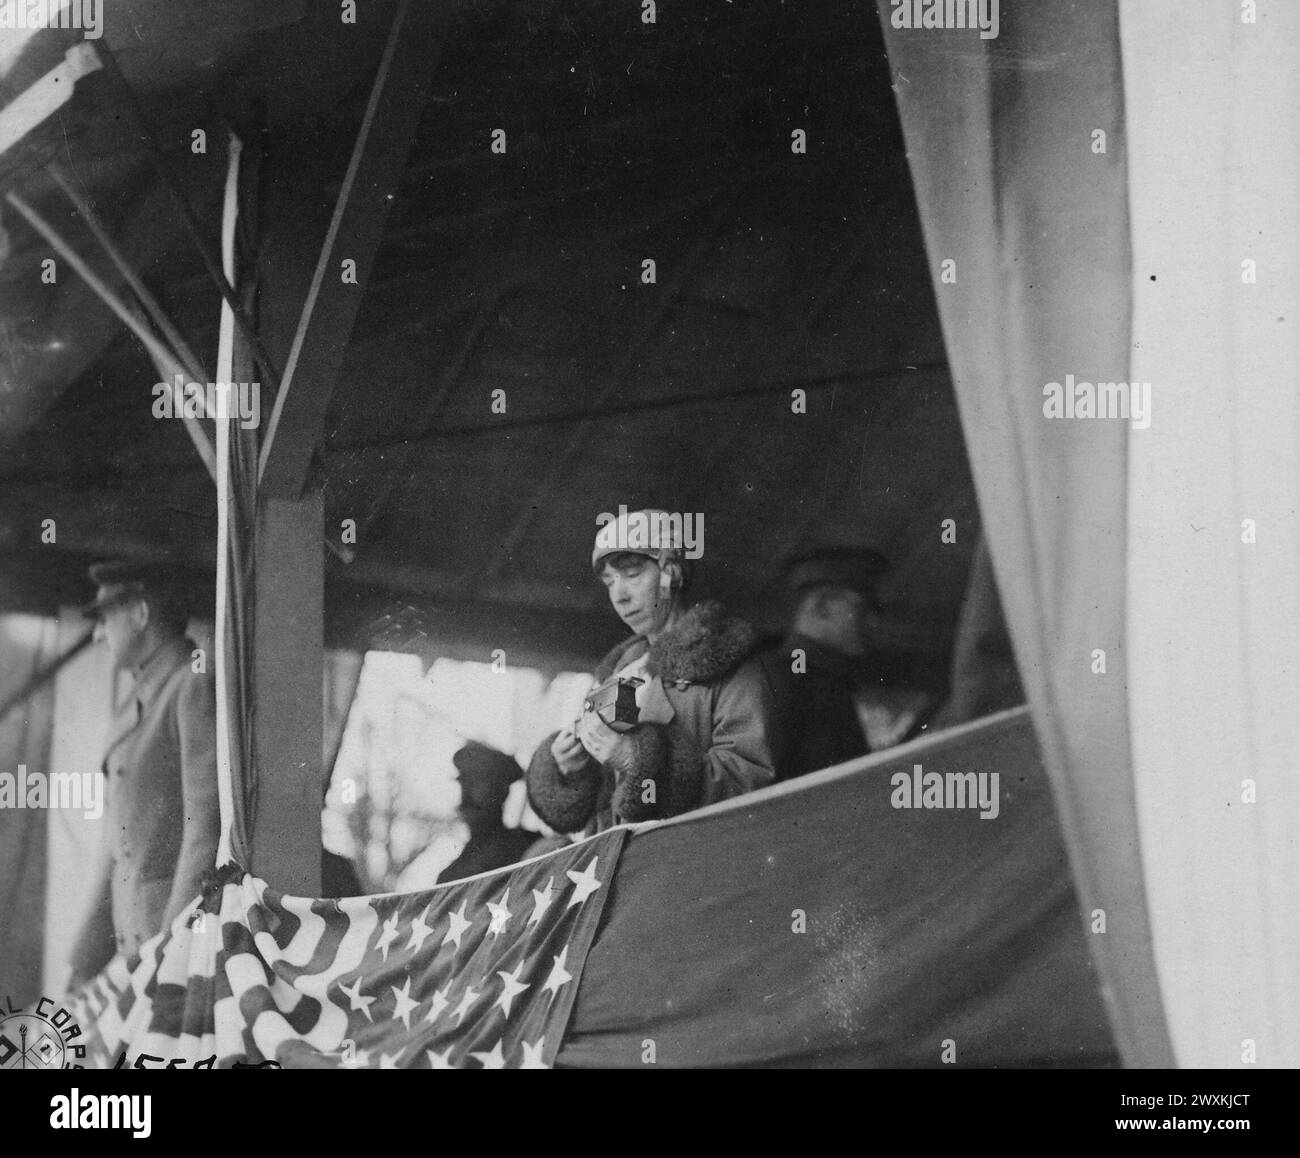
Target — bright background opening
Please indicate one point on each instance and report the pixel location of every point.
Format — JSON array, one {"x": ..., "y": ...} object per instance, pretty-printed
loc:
[{"x": 391, "y": 807}]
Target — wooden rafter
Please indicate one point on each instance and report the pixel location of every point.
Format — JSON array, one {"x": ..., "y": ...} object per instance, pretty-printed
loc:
[{"x": 325, "y": 325}]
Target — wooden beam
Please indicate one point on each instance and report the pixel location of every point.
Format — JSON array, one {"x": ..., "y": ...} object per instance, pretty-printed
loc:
[
  {"x": 288, "y": 711},
  {"x": 49, "y": 94},
  {"x": 355, "y": 230}
]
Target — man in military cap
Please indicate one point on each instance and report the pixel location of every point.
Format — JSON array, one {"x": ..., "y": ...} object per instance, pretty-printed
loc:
[
  {"x": 160, "y": 767},
  {"x": 833, "y": 703},
  {"x": 485, "y": 778}
]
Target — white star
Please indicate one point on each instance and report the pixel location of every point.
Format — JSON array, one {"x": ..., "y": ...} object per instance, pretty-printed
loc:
[
  {"x": 387, "y": 936},
  {"x": 403, "y": 1003},
  {"x": 559, "y": 974},
  {"x": 494, "y": 1059},
  {"x": 465, "y": 1002},
  {"x": 356, "y": 1001},
  {"x": 438, "y": 1061},
  {"x": 584, "y": 883},
  {"x": 540, "y": 901},
  {"x": 437, "y": 1004},
  {"x": 500, "y": 915},
  {"x": 457, "y": 925},
  {"x": 533, "y": 1055},
  {"x": 389, "y": 1063},
  {"x": 419, "y": 931},
  {"x": 511, "y": 988}
]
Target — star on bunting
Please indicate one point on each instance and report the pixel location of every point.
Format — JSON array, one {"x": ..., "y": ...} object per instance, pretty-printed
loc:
[
  {"x": 559, "y": 974},
  {"x": 492, "y": 1059},
  {"x": 388, "y": 936},
  {"x": 356, "y": 1001},
  {"x": 403, "y": 1003},
  {"x": 500, "y": 915},
  {"x": 438, "y": 1061},
  {"x": 533, "y": 1055},
  {"x": 584, "y": 883},
  {"x": 437, "y": 1004},
  {"x": 541, "y": 900},
  {"x": 511, "y": 989},
  {"x": 465, "y": 1002},
  {"x": 457, "y": 925},
  {"x": 419, "y": 931}
]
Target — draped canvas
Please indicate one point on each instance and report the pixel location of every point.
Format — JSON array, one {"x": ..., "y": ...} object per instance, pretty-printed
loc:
[
  {"x": 1017, "y": 151},
  {"x": 1213, "y": 109},
  {"x": 817, "y": 923},
  {"x": 28, "y": 644},
  {"x": 85, "y": 694}
]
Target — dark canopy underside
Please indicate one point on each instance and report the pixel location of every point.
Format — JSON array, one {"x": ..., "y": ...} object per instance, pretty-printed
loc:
[{"x": 518, "y": 272}]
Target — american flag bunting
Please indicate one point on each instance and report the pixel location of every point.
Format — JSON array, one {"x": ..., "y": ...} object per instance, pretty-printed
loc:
[{"x": 475, "y": 974}]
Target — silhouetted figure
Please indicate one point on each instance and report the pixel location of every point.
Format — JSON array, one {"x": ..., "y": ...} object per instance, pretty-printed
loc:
[
  {"x": 485, "y": 779},
  {"x": 835, "y": 700}
]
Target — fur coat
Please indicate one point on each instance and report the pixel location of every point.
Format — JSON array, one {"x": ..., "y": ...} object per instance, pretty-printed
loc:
[{"x": 719, "y": 742}]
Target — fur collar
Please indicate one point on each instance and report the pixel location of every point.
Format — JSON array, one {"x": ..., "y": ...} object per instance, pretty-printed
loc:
[{"x": 704, "y": 645}]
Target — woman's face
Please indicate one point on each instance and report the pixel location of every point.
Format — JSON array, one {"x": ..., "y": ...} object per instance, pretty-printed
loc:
[{"x": 633, "y": 585}]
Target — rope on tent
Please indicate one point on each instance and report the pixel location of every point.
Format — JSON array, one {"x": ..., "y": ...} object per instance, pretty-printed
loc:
[{"x": 225, "y": 375}]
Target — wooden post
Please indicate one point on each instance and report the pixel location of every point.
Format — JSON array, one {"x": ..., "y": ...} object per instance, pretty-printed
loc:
[
  {"x": 288, "y": 702},
  {"x": 286, "y": 643},
  {"x": 306, "y": 314}
]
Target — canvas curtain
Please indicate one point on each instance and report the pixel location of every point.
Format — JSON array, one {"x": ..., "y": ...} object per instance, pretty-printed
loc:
[
  {"x": 86, "y": 694},
  {"x": 819, "y": 924},
  {"x": 1212, "y": 97},
  {"x": 1018, "y": 155},
  {"x": 28, "y": 644}
]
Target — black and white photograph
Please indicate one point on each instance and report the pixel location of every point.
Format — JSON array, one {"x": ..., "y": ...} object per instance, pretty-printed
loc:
[{"x": 642, "y": 535}]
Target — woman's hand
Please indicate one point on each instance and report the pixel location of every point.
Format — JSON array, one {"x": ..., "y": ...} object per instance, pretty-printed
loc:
[
  {"x": 569, "y": 753},
  {"x": 599, "y": 738}
]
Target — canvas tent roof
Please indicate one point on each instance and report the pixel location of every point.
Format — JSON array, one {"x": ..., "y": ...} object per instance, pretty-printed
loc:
[{"x": 520, "y": 272}]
